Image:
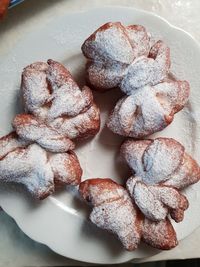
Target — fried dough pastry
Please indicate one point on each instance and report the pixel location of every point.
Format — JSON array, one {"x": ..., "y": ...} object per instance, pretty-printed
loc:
[
  {"x": 114, "y": 211},
  {"x": 57, "y": 109},
  {"x": 120, "y": 56},
  {"x": 39, "y": 171},
  {"x": 110, "y": 50},
  {"x": 161, "y": 169},
  {"x": 148, "y": 109}
]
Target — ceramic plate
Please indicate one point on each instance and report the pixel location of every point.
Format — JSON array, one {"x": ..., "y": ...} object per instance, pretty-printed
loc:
[{"x": 60, "y": 221}]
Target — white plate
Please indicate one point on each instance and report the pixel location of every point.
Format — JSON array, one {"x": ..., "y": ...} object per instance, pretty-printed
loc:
[{"x": 60, "y": 220}]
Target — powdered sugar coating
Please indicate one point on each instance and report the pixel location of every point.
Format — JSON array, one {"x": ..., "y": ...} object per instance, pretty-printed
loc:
[
  {"x": 109, "y": 43},
  {"x": 82, "y": 126},
  {"x": 110, "y": 64},
  {"x": 49, "y": 94},
  {"x": 161, "y": 160},
  {"x": 113, "y": 210},
  {"x": 160, "y": 166},
  {"x": 148, "y": 202},
  {"x": 57, "y": 111},
  {"x": 149, "y": 109},
  {"x": 65, "y": 99},
  {"x": 117, "y": 217},
  {"x": 156, "y": 202},
  {"x": 110, "y": 50},
  {"x": 30, "y": 165},
  {"x": 10, "y": 142},
  {"x": 66, "y": 168},
  {"x": 139, "y": 39},
  {"x": 147, "y": 70},
  {"x": 159, "y": 234},
  {"x": 34, "y": 88},
  {"x": 30, "y": 129},
  {"x": 187, "y": 174},
  {"x": 102, "y": 76}
]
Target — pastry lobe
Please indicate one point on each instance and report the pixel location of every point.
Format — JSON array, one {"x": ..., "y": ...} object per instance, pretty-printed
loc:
[
  {"x": 148, "y": 109},
  {"x": 57, "y": 109},
  {"x": 31, "y": 129},
  {"x": 110, "y": 50},
  {"x": 160, "y": 235},
  {"x": 113, "y": 210},
  {"x": 39, "y": 171},
  {"x": 120, "y": 56},
  {"x": 149, "y": 70},
  {"x": 161, "y": 169}
]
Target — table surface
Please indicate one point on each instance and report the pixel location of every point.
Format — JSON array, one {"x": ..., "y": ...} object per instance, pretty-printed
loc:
[{"x": 16, "y": 248}]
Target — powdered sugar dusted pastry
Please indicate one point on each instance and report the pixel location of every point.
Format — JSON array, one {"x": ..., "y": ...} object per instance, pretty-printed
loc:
[
  {"x": 110, "y": 50},
  {"x": 148, "y": 109},
  {"x": 160, "y": 235},
  {"x": 113, "y": 210},
  {"x": 39, "y": 171},
  {"x": 33, "y": 130},
  {"x": 161, "y": 168},
  {"x": 56, "y": 104},
  {"x": 120, "y": 56},
  {"x": 147, "y": 70}
]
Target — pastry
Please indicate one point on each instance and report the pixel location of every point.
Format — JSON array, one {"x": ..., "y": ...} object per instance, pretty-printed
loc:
[
  {"x": 57, "y": 110},
  {"x": 149, "y": 109},
  {"x": 110, "y": 50},
  {"x": 39, "y": 171},
  {"x": 114, "y": 211},
  {"x": 160, "y": 235},
  {"x": 161, "y": 168},
  {"x": 55, "y": 104},
  {"x": 120, "y": 56},
  {"x": 33, "y": 130}
]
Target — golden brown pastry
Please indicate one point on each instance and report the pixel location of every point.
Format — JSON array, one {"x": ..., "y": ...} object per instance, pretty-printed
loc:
[
  {"x": 56, "y": 107},
  {"x": 122, "y": 56},
  {"x": 148, "y": 109},
  {"x": 39, "y": 171},
  {"x": 114, "y": 211},
  {"x": 161, "y": 168},
  {"x": 110, "y": 50}
]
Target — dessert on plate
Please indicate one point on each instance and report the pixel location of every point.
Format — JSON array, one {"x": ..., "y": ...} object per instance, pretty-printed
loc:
[
  {"x": 39, "y": 154},
  {"x": 161, "y": 168},
  {"x": 124, "y": 57},
  {"x": 114, "y": 211}
]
